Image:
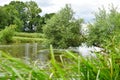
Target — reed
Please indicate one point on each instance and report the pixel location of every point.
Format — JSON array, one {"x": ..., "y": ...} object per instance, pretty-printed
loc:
[
  {"x": 70, "y": 66},
  {"x": 14, "y": 68}
]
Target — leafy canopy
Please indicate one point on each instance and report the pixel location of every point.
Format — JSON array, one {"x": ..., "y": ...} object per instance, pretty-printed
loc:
[
  {"x": 63, "y": 30},
  {"x": 104, "y": 32}
]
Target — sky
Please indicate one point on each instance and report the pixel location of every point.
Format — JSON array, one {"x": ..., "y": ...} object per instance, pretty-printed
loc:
[{"x": 83, "y": 8}]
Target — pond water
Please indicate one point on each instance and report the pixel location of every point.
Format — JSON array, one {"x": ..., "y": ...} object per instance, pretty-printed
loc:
[
  {"x": 38, "y": 51},
  {"x": 25, "y": 50}
]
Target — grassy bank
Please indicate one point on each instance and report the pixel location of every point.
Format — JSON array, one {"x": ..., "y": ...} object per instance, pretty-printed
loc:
[
  {"x": 21, "y": 37},
  {"x": 29, "y": 35},
  {"x": 27, "y": 40}
]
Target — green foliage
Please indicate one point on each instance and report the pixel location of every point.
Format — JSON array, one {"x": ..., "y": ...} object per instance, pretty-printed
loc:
[
  {"x": 19, "y": 24},
  {"x": 9, "y": 15},
  {"x": 7, "y": 34},
  {"x": 42, "y": 21},
  {"x": 20, "y": 19},
  {"x": 26, "y": 15},
  {"x": 33, "y": 19},
  {"x": 48, "y": 16},
  {"x": 63, "y": 30},
  {"x": 4, "y": 17},
  {"x": 23, "y": 14},
  {"x": 105, "y": 30},
  {"x": 12, "y": 17},
  {"x": 73, "y": 66},
  {"x": 33, "y": 9}
]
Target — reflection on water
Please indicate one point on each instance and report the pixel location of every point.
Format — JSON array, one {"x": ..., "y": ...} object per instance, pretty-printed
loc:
[
  {"x": 37, "y": 51},
  {"x": 26, "y": 50}
]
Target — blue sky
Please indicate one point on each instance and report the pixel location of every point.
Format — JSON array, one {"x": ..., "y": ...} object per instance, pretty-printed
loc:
[{"x": 82, "y": 8}]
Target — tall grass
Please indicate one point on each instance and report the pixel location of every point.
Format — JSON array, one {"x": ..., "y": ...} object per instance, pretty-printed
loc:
[
  {"x": 16, "y": 69},
  {"x": 69, "y": 66},
  {"x": 72, "y": 66}
]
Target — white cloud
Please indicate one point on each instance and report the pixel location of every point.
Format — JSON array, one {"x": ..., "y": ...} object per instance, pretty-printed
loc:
[
  {"x": 82, "y": 8},
  {"x": 3, "y": 2}
]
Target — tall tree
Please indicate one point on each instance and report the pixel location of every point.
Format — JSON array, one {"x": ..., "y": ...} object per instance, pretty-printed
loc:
[
  {"x": 20, "y": 7},
  {"x": 24, "y": 15},
  {"x": 105, "y": 30},
  {"x": 63, "y": 30},
  {"x": 42, "y": 20},
  {"x": 33, "y": 12},
  {"x": 4, "y": 17},
  {"x": 13, "y": 16}
]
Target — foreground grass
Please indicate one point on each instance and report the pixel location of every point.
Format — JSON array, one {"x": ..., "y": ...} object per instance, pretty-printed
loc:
[
  {"x": 14, "y": 68},
  {"x": 69, "y": 66}
]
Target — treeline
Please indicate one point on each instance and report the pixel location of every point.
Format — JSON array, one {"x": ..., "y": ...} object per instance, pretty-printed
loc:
[
  {"x": 26, "y": 15},
  {"x": 105, "y": 31},
  {"x": 62, "y": 29}
]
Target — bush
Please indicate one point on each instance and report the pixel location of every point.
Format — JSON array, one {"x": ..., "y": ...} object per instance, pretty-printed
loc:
[
  {"x": 63, "y": 30},
  {"x": 7, "y": 34},
  {"x": 106, "y": 28}
]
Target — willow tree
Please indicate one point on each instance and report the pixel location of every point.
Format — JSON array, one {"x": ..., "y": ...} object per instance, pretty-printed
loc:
[
  {"x": 106, "y": 29},
  {"x": 63, "y": 30}
]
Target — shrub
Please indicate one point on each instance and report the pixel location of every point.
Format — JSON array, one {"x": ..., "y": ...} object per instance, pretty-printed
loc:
[
  {"x": 106, "y": 28},
  {"x": 7, "y": 34},
  {"x": 63, "y": 30}
]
